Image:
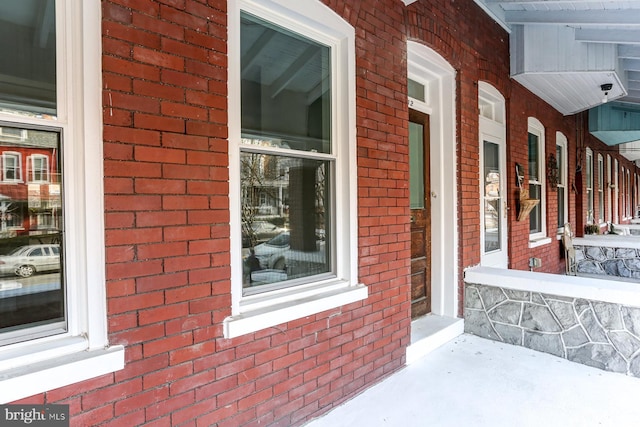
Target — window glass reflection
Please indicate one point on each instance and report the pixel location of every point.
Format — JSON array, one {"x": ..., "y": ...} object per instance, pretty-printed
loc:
[
  {"x": 31, "y": 284},
  {"x": 286, "y": 96},
  {"x": 416, "y": 165},
  {"x": 284, "y": 222},
  {"x": 492, "y": 217},
  {"x": 28, "y": 52}
]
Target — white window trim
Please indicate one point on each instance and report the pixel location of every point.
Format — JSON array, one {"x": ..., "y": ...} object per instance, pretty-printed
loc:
[
  {"x": 21, "y": 137},
  {"x": 623, "y": 207},
  {"x": 18, "y": 169},
  {"x": 601, "y": 188},
  {"x": 439, "y": 76},
  {"x": 561, "y": 140},
  {"x": 492, "y": 127},
  {"x": 31, "y": 170},
  {"x": 609, "y": 214},
  {"x": 628, "y": 210},
  {"x": 256, "y": 312},
  {"x": 83, "y": 352},
  {"x": 616, "y": 192},
  {"x": 590, "y": 219},
  {"x": 637, "y": 194},
  {"x": 536, "y": 239}
]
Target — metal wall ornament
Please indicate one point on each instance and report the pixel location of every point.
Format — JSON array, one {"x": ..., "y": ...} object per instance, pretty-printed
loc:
[{"x": 552, "y": 172}]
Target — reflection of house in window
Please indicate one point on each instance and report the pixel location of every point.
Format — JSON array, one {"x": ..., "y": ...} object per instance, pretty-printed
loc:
[
  {"x": 265, "y": 187},
  {"x": 263, "y": 198},
  {"x": 13, "y": 133},
  {"x": 11, "y": 170},
  {"x": 38, "y": 168},
  {"x": 30, "y": 203}
]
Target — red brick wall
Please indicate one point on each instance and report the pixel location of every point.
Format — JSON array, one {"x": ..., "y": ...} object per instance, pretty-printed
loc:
[
  {"x": 522, "y": 106},
  {"x": 167, "y": 237},
  {"x": 168, "y": 233},
  {"x": 479, "y": 50},
  {"x": 167, "y": 215},
  {"x": 598, "y": 147}
]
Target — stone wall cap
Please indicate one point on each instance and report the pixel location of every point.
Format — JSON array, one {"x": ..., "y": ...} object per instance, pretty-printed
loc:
[
  {"x": 592, "y": 288},
  {"x": 608, "y": 241}
]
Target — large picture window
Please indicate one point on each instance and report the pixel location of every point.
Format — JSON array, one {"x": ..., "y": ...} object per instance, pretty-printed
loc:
[
  {"x": 32, "y": 289},
  {"x": 293, "y": 146},
  {"x": 52, "y": 282},
  {"x": 286, "y": 156},
  {"x": 28, "y": 51}
]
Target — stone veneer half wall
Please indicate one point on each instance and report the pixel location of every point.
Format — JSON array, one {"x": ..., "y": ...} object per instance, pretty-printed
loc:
[
  {"x": 608, "y": 255},
  {"x": 604, "y": 335},
  {"x": 621, "y": 262}
]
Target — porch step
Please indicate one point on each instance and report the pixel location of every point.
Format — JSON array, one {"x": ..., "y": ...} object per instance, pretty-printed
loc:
[{"x": 430, "y": 332}]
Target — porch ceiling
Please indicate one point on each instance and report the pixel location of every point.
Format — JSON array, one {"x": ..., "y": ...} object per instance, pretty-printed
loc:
[
  {"x": 564, "y": 51},
  {"x": 606, "y": 24}
]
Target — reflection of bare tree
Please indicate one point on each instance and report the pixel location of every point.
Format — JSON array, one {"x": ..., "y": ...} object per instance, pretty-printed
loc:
[
  {"x": 250, "y": 176},
  {"x": 321, "y": 184},
  {"x": 257, "y": 172},
  {"x": 285, "y": 191},
  {"x": 5, "y": 209}
]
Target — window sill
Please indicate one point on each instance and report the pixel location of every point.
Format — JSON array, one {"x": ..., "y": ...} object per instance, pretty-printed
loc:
[
  {"x": 539, "y": 242},
  {"x": 59, "y": 370},
  {"x": 267, "y": 316}
]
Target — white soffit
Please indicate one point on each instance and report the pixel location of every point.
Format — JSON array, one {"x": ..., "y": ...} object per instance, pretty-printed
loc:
[
  {"x": 594, "y": 25},
  {"x": 570, "y": 93}
]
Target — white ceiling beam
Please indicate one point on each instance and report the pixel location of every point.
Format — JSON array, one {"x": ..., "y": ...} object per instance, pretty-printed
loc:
[
  {"x": 253, "y": 54},
  {"x": 634, "y": 94},
  {"x": 629, "y": 51},
  {"x": 293, "y": 70},
  {"x": 595, "y": 21},
  {"x": 631, "y": 64},
  {"x": 319, "y": 90},
  {"x": 608, "y": 36},
  {"x": 44, "y": 23},
  {"x": 607, "y": 17}
]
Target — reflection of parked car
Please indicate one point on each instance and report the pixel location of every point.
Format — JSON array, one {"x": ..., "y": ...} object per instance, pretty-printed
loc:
[
  {"x": 261, "y": 232},
  {"x": 275, "y": 261},
  {"x": 271, "y": 254},
  {"x": 24, "y": 261},
  {"x": 276, "y": 254}
]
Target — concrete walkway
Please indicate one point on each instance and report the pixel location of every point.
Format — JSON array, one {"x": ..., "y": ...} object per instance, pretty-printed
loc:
[{"x": 472, "y": 381}]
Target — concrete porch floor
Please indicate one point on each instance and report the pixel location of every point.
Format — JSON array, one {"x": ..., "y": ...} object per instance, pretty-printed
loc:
[{"x": 471, "y": 381}]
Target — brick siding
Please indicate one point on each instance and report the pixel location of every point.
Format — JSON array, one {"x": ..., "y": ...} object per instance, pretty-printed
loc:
[{"x": 167, "y": 214}]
